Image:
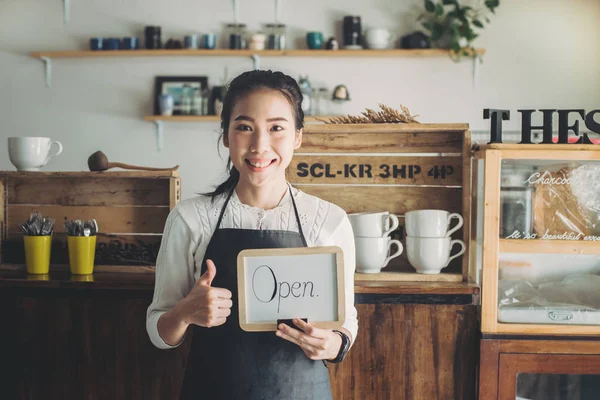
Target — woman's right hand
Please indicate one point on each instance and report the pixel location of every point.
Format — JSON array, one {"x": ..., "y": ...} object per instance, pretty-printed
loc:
[{"x": 205, "y": 305}]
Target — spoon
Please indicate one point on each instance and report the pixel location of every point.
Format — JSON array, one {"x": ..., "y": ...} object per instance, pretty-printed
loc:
[{"x": 99, "y": 162}]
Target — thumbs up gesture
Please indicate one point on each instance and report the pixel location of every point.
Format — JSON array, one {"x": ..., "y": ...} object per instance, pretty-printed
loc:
[{"x": 208, "y": 306}]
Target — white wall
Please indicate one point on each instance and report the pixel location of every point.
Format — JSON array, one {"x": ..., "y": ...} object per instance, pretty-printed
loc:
[{"x": 541, "y": 53}]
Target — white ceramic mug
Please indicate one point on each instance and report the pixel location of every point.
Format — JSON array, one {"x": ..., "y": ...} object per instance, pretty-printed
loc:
[
  {"x": 431, "y": 223},
  {"x": 378, "y": 38},
  {"x": 373, "y": 224},
  {"x": 431, "y": 255},
  {"x": 372, "y": 253},
  {"x": 31, "y": 153}
]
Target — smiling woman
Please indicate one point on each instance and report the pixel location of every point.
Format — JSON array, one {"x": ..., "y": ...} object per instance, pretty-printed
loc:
[
  {"x": 255, "y": 208},
  {"x": 257, "y": 103}
]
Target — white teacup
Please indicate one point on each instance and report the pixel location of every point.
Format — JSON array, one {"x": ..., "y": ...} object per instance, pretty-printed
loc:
[
  {"x": 372, "y": 253},
  {"x": 378, "y": 38},
  {"x": 31, "y": 153},
  {"x": 373, "y": 224},
  {"x": 431, "y": 223},
  {"x": 431, "y": 255}
]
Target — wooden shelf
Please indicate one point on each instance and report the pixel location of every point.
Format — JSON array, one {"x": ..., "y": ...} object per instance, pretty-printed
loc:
[
  {"x": 389, "y": 277},
  {"x": 88, "y": 174},
  {"x": 234, "y": 53},
  {"x": 207, "y": 118},
  {"x": 576, "y": 247}
]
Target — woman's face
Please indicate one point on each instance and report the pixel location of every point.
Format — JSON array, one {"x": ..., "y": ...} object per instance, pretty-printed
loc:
[{"x": 262, "y": 137}]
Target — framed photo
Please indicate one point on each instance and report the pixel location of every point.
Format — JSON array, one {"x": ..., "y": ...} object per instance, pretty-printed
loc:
[{"x": 175, "y": 86}]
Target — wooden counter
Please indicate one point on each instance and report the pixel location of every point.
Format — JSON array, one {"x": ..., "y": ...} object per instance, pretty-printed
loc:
[{"x": 67, "y": 337}]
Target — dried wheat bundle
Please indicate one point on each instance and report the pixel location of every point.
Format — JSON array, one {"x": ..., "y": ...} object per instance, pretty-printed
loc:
[{"x": 387, "y": 115}]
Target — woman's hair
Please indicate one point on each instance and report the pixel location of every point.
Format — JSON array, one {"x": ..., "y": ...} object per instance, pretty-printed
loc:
[{"x": 240, "y": 87}]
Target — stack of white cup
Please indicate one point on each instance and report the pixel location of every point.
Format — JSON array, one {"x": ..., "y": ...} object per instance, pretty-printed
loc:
[
  {"x": 428, "y": 241},
  {"x": 373, "y": 241}
]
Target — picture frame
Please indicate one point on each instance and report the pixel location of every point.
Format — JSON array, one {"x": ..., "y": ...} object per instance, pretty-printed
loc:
[
  {"x": 279, "y": 284},
  {"x": 174, "y": 85}
]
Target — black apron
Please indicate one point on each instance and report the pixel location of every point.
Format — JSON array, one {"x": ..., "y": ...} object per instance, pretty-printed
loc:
[{"x": 228, "y": 363}]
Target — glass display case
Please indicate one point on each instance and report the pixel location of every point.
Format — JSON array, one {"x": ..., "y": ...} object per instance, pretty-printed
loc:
[{"x": 540, "y": 238}]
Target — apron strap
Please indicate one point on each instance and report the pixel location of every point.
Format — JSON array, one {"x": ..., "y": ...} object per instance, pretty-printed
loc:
[
  {"x": 297, "y": 217},
  {"x": 223, "y": 209},
  {"x": 293, "y": 203}
]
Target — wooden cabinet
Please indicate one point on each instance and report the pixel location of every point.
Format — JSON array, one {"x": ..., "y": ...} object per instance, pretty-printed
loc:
[
  {"x": 131, "y": 208},
  {"x": 65, "y": 339},
  {"x": 395, "y": 168},
  {"x": 414, "y": 342},
  {"x": 539, "y": 369}
]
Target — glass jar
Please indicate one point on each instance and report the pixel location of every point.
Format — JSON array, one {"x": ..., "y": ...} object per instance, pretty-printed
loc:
[
  {"x": 516, "y": 197},
  {"x": 516, "y": 212},
  {"x": 237, "y": 36},
  {"x": 276, "y": 36}
]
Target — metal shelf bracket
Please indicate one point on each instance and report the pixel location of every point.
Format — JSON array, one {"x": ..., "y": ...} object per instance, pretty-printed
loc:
[
  {"x": 477, "y": 60},
  {"x": 48, "y": 64},
  {"x": 66, "y": 11},
  {"x": 256, "y": 61},
  {"x": 159, "y": 134}
]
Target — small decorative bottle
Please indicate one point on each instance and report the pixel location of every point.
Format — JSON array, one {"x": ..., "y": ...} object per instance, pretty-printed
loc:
[
  {"x": 186, "y": 100},
  {"x": 205, "y": 100},
  {"x": 196, "y": 103}
]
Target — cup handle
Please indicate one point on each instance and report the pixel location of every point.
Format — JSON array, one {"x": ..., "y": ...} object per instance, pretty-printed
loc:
[
  {"x": 457, "y": 227},
  {"x": 396, "y": 254},
  {"x": 394, "y": 225},
  {"x": 60, "y": 149},
  {"x": 460, "y": 253}
]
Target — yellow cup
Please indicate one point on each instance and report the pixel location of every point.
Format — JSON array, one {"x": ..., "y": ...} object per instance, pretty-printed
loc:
[
  {"x": 37, "y": 254},
  {"x": 82, "y": 250}
]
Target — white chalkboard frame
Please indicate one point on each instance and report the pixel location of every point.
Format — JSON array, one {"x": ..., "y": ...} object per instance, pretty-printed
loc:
[{"x": 244, "y": 255}]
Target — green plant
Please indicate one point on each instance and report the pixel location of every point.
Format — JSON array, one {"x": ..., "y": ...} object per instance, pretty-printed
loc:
[{"x": 453, "y": 26}]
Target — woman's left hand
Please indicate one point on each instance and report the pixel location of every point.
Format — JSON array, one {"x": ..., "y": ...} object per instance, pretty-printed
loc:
[{"x": 317, "y": 344}]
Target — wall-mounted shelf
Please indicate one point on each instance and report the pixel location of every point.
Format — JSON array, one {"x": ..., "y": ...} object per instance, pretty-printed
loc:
[
  {"x": 208, "y": 118},
  {"x": 47, "y": 56},
  {"x": 237, "y": 53},
  {"x": 159, "y": 121}
]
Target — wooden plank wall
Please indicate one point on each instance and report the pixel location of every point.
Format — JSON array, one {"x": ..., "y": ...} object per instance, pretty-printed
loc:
[
  {"x": 131, "y": 210},
  {"x": 390, "y": 167}
]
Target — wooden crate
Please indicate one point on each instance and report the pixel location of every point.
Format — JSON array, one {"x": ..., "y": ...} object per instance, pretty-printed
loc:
[
  {"x": 131, "y": 209},
  {"x": 493, "y": 156},
  {"x": 390, "y": 167}
]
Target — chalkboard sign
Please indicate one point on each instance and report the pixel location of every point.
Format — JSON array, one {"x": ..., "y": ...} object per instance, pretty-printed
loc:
[{"x": 306, "y": 282}]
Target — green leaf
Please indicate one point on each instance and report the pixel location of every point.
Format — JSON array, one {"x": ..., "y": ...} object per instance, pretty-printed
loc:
[
  {"x": 436, "y": 32},
  {"x": 429, "y": 6},
  {"x": 491, "y": 4},
  {"x": 427, "y": 25},
  {"x": 449, "y": 2},
  {"x": 477, "y": 23},
  {"x": 455, "y": 46},
  {"x": 468, "y": 33},
  {"x": 439, "y": 10}
]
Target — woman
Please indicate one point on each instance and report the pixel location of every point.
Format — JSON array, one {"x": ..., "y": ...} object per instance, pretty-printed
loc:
[{"x": 196, "y": 282}]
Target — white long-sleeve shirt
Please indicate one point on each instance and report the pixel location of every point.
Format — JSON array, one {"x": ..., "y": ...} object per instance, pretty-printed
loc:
[{"x": 192, "y": 222}]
